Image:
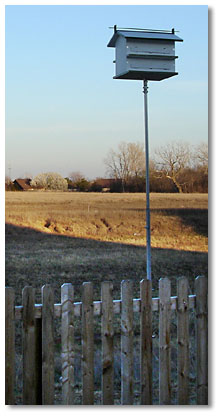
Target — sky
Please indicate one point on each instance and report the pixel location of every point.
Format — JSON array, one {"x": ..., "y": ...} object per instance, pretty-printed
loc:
[{"x": 64, "y": 110}]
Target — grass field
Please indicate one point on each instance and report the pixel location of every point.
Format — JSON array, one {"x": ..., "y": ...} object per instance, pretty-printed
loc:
[
  {"x": 177, "y": 221},
  {"x": 54, "y": 237}
]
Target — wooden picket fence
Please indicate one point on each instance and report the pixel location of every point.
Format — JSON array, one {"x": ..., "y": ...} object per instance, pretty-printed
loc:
[{"x": 38, "y": 342}]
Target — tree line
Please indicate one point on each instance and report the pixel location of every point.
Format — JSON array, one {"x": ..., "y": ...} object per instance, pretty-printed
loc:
[{"x": 174, "y": 167}]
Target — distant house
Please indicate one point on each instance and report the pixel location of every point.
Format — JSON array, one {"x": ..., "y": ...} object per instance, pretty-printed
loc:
[{"x": 22, "y": 184}]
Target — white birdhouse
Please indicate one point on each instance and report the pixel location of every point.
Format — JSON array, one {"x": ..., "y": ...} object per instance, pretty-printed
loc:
[{"x": 144, "y": 54}]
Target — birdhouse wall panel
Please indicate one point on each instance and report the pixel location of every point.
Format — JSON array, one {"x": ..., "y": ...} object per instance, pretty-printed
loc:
[
  {"x": 151, "y": 64},
  {"x": 120, "y": 56},
  {"x": 150, "y": 46}
]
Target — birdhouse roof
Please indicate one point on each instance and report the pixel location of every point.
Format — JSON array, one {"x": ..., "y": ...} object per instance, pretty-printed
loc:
[{"x": 145, "y": 34}]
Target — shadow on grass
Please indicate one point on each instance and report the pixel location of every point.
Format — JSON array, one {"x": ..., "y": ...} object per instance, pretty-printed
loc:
[
  {"x": 195, "y": 218},
  {"x": 36, "y": 258}
]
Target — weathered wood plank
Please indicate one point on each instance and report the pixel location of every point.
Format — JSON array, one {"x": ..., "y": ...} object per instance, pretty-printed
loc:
[
  {"x": 164, "y": 341},
  {"x": 38, "y": 340},
  {"x": 201, "y": 285},
  {"x": 47, "y": 345},
  {"x": 98, "y": 304},
  {"x": 107, "y": 344},
  {"x": 146, "y": 341},
  {"x": 29, "y": 347},
  {"x": 9, "y": 346},
  {"x": 87, "y": 344},
  {"x": 126, "y": 343},
  {"x": 67, "y": 341},
  {"x": 183, "y": 340}
]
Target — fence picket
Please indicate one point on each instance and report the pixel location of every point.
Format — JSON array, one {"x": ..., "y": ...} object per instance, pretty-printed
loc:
[
  {"x": 146, "y": 341},
  {"x": 183, "y": 340},
  {"x": 87, "y": 344},
  {"x": 107, "y": 344},
  {"x": 202, "y": 339},
  {"x": 9, "y": 346},
  {"x": 47, "y": 345},
  {"x": 126, "y": 343},
  {"x": 38, "y": 344},
  {"x": 67, "y": 339},
  {"x": 164, "y": 340},
  {"x": 29, "y": 347}
]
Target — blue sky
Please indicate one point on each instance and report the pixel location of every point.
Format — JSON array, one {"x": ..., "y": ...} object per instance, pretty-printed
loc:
[{"x": 63, "y": 109}]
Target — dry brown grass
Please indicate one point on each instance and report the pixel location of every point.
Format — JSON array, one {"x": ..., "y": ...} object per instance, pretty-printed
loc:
[{"x": 177, "y": 221}]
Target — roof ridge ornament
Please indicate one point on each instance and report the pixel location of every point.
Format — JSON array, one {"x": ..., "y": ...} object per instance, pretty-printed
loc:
[{"x": 173, "y": 31}]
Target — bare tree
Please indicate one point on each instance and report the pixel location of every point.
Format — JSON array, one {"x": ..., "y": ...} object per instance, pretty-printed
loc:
[
  {"x": 172, "y": 159},
  {"x": 126, "y": 162},
  {"x": 76, "y": 176},
  {"x": 202, "y": 156},
  {"x": 7, "y": 180}
]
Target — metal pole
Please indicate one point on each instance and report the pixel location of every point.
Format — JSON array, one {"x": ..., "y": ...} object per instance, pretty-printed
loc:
[{"x": 148, "y": 238}]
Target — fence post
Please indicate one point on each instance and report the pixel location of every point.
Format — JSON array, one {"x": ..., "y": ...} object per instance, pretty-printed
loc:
[
  {"x": 47, "y": 345},
  {"x": 9, "y": 346},
  {"x": 146, "y": 341},
  {"x": 107, "y": 344},
  {"x": 183, "y": 340},
  {"x": 201, "y": 284},
  {"x": 164, "y": 340},
  {"x": 29, "y": 347},
  {"x": 87, "y": 343},
  {"x": 67, "y": 339},
  {"x": 127, "y": 343}
]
